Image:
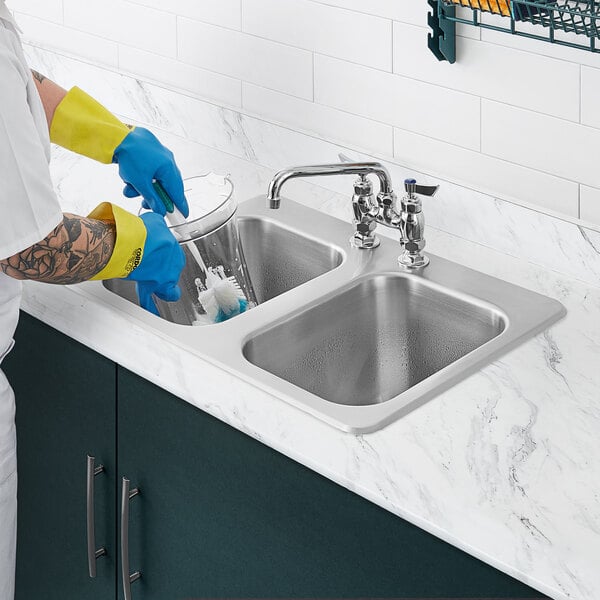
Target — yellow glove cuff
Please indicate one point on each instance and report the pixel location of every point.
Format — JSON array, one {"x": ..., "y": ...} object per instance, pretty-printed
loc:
[
  {"x": 129, "y": 244},
  {"x": 83, "y": 125}
]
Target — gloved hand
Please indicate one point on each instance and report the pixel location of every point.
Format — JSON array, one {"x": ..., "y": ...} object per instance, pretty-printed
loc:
[
  {"x": 143, "y": 159},
  {"x": 83, "y": 125},
  {"x": 145, "y": 251},
  {"x": 161, "y": 265}
]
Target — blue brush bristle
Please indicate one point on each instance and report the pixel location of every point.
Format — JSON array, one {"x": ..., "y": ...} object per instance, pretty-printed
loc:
[{"x": 223, "y": 316}]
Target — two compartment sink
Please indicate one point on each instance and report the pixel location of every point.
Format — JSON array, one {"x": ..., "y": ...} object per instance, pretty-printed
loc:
[{"x": 342, "y": 334}]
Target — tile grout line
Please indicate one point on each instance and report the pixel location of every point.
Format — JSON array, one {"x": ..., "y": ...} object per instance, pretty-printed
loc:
[
  {"x": 581, "y": 122},
  {"x": 177, "y": 38},
  {"x": 313, "y": 77},
  {"x": 481, "y": 126},
  {"x": 393, "y": 45}
]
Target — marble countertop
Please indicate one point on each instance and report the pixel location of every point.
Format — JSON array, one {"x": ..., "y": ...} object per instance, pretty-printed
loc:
[{"x": 505, "y": 464}]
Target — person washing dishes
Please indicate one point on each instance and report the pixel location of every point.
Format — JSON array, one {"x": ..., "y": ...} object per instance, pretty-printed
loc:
[{"x": 40, "y": 242}]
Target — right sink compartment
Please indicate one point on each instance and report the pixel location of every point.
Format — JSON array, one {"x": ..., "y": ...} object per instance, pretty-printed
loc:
[
  {"x": 384, "y": 342},
  {"x": 374, "y": 340}
]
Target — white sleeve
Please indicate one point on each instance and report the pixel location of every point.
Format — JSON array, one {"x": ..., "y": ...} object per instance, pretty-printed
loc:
[{"x": 29, "y": 209}]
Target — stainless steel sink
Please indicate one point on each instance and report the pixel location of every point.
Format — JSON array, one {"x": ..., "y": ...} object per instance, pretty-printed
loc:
[
  {"x": 374, "y": 340},
  {"x": 353, "y": 340},
  {"x": 278, "y": 259}
]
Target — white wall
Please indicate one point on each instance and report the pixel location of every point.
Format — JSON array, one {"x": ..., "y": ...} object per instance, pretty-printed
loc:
[{"x": 515, "y": 118}]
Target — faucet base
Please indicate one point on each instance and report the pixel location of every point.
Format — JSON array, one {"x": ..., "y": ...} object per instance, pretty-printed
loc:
[
  {"x": 412, "y": 262},
  {"x": 364, "y": 242}
]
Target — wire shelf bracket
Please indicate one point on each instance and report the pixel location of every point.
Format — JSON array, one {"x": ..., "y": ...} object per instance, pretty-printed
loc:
[{"x": 442, "y": 38}]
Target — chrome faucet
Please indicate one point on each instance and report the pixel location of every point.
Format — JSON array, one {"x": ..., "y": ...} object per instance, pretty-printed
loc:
[{"x": 369, "y": 210}]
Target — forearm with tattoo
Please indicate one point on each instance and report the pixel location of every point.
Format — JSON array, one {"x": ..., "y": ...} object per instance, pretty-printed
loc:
[
  {"x": 74, "y": 251},
  {"x": 50, "y": 93},
  {"x": 38, "y": 76}
]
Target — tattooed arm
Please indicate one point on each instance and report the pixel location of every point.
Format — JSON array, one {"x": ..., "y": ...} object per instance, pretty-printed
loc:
[
  {"x": 74, "y": 251},
  {"x": 50, "y": 93}
]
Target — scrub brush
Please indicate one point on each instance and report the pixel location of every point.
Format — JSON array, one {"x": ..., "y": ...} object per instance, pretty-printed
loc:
[{"x": 223, "y": 297}]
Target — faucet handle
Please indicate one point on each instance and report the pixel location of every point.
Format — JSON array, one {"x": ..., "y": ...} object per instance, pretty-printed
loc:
[{"x": 410, "y": 185}]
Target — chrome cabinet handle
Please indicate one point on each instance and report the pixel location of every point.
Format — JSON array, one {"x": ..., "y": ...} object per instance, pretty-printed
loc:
[
  {"x": 128, "y": 579},
  {"x": 93, "y": 553}
]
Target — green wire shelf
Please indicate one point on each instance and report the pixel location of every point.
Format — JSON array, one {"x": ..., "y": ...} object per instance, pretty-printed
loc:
[{"x": 555, "y": 18}]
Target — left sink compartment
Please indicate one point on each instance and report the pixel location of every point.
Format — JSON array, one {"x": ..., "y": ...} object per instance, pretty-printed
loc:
[{"x": 278, "y": 260}]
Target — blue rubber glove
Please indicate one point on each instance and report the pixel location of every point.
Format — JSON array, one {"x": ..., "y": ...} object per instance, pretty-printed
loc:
[
  {"x": 143, "y": 159},
  {"x": 161, "y": 265}
]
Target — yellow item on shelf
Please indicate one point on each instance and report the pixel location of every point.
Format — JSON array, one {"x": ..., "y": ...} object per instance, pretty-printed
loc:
[
  {"x": 83, "y": 125},
  {"x": 129, "y": 244},
  {"x": 499, "y": 7}
]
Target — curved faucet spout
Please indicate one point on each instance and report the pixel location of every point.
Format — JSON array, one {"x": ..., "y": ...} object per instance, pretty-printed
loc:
[{"x": 364, "y": 169}]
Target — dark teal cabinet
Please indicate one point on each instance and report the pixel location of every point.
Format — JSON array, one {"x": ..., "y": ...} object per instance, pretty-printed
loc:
[
  {"x": 221, "y": 515},
  {"x": 65, "y": 395},
  {"x": 218, "y": 514}
]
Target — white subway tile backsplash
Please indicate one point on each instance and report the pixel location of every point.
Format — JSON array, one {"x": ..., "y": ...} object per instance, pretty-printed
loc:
[
  {"x": 590, "y": 93},
  {"x": 356, "y": 37},
  {"x": 246, "y": 57},
  {"x": 514, "y": 117},
  {"x": 226, "y": 13},
  {"x": 410, "y": 11},
  {"x": 48, "y": 10},
  {"x": 311, "y": 117},
  {"x": 491, "y": 175},
  {"x": 413, "y": 105},
  {"x": 541, "y": 142},
  {"x": 406, "y": 11},
  {"x": 123, "y": 22},
  {"x": 69, "y": 41},
  {"x": 520, "y": 78},
  {"x": 590, "y": 204},
  {"x": 167, "y": 71}
]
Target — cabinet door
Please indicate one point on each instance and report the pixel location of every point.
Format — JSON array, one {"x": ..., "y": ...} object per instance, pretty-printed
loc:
[
  {"x": 65, "y": 396},
  {"x": 222, "y": 515}
]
